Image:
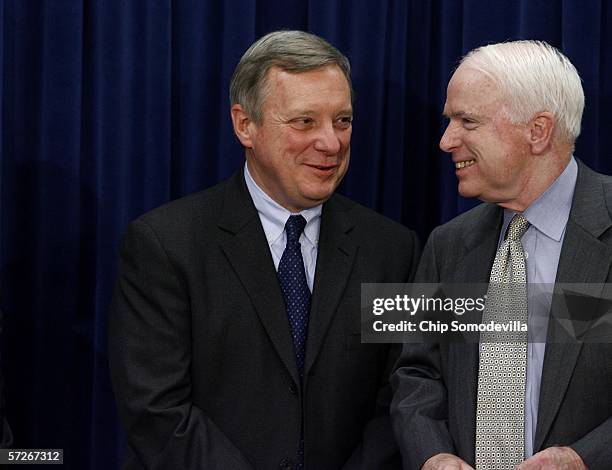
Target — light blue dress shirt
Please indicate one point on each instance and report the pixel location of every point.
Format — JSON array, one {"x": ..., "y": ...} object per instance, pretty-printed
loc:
[
  {"x": 273, "y": 218},
  {"x": 542, "y": 242}
]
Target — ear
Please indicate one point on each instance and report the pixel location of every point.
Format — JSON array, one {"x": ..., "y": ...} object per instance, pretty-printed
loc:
[
  {"x": 541, "y": 129},
  {"x": 243, "y": 125}
]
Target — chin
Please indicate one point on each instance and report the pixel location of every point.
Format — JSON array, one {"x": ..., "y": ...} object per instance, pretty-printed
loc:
[
  {"x": 319, "y": 192},
  {"x": 319, "y": 198},
  {"x": 466, "y": 192},
  {"x": 310, "y": 199}
]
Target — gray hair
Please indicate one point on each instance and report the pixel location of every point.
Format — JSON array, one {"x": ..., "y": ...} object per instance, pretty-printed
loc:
[
  {"x": 291, "y": 51},
  {"x": 534, "y": 77}
]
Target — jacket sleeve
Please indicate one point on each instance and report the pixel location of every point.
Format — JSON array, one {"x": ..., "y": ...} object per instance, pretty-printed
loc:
[{"x": 150, "y": 358}]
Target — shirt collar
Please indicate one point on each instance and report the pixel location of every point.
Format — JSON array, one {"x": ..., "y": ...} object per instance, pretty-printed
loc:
[
  {"x": 273, "y": 216},
  {"x": 549, "y": 213}
]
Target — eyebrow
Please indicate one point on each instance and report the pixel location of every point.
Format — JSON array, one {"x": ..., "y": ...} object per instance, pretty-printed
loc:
[
  {"x": 460, "y": 114},
  {"x": 306, "y": 111}
]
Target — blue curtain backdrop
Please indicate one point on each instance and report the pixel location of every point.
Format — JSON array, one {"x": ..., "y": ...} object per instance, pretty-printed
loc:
[{"x": 113, "y": 107}]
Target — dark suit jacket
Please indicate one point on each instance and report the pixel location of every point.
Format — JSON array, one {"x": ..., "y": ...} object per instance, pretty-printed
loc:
[
  {"x": 201, "y": 355},
  {"x": 434, "y": 406}
]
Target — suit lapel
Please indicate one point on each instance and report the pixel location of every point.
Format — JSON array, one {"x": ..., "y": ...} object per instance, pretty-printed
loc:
[
  {"x": 335, "y": 260},
  {"x": 475, "y": 266},
  {"x": 584, "y": 259},
  {"x": 246, "y": 249},
  {"x": 481, "y": 237}
]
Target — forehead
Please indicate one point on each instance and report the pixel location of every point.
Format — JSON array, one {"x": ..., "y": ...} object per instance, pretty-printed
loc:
[
  {"x": 472, "y": 92},
  {"x": 326, "y": 85}
]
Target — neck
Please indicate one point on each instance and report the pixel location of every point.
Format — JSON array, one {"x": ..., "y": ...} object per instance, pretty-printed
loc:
[{"x": 539, "y": 179}]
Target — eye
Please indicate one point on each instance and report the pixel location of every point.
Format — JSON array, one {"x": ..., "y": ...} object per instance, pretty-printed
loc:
[
  {"x": 469, "y": 123},
  {"x": 302, "y": 123},
  {"x": 344, "y": 122}
]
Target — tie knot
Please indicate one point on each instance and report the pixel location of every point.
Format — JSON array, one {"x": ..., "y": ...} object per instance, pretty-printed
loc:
[
  {"x": 517, "y": 227},
  {"x": 294, "y": 228}
]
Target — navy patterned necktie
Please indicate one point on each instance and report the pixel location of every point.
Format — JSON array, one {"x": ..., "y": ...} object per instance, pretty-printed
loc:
[{"x": 295, "y": 289}]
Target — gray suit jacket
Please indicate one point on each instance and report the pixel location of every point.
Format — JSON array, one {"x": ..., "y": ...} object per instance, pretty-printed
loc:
[
  {"x": 434, "y": 406},
  {"x": 200, "y": 350}
]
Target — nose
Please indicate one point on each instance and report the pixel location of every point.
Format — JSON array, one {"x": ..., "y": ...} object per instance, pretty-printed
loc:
[
  {"x": 327, "y": 139},
  {"x": 450, "y": 139}
]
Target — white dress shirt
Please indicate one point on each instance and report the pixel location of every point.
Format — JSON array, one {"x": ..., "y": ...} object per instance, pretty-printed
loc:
[{"x": 273, "y": 218}]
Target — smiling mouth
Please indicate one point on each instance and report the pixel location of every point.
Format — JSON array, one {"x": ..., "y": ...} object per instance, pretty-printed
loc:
[
  {"x": 323, "y": 167},
  {"x": 464, "y": 164}
]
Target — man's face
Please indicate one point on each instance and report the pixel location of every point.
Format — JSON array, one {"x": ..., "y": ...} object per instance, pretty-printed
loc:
[
  {"x": 299, "y": 153},
  {"x": 490, "y": 154}
]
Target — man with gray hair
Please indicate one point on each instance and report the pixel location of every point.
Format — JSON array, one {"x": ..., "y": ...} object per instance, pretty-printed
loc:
[
  {"x": 514, "y": 112},
  {"x": 235, "y": 327}
]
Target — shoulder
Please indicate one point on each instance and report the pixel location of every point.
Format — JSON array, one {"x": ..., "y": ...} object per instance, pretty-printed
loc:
[
  {"x": 592, "y": 202},
  {"x": 592, "y": 182},
  {"x": 368, "y": 224},
  {"x": 364, "y": 217},
  {"x": 387, "y": 250},
  {"x": 476, "y": 220},
  {"x": 179, "y": 211},
  {"x": 196, "y": 214}
]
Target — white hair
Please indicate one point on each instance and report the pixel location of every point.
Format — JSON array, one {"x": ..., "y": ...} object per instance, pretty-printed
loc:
[{"x": 534, "y": 77}]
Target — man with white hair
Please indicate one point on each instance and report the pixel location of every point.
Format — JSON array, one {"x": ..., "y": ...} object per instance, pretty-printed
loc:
[{"x": 514, "y": 113}]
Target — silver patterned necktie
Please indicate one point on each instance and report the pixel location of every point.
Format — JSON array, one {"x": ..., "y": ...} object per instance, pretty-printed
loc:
[{"x": 500, "y": 414}]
